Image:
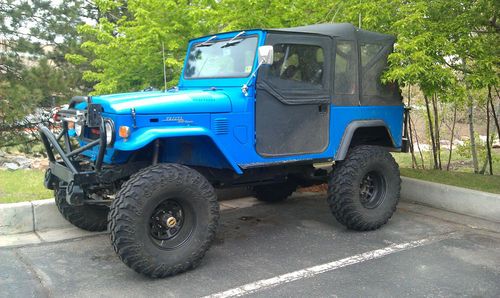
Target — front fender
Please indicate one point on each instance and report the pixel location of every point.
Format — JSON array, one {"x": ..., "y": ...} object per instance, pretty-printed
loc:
[{"x": 144, "y": 136}]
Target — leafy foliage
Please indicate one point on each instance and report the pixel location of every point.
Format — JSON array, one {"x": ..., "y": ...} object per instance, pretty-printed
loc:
[
  {"x": 434, "y": 37},
  {"x": 48, "y": 52},
  {"x": 128, "y": 49},
  {"x": 34, "y": 37}
]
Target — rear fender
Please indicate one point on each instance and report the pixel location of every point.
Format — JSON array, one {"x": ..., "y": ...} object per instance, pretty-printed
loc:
[
  {"x": 175, "y": 136},
  {"x": 347, "y": 138}
]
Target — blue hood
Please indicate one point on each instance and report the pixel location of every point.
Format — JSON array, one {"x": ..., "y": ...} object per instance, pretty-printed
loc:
[{"x": 172, "y": 102}]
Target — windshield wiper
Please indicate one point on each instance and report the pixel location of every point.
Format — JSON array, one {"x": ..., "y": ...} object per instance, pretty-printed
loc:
[
  {"x": 232, "y": 41},
  {"x": 207, "y": 42}
]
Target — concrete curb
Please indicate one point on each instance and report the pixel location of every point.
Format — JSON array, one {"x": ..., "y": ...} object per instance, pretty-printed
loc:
[
  {"x": 32, "y": 216},
  {"x": 451, "y": 198},
  {"x": 16, "y": 218}
]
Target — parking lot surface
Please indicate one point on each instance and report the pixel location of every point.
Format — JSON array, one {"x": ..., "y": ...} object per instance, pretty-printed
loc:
[{"x": 290, "y": 249}]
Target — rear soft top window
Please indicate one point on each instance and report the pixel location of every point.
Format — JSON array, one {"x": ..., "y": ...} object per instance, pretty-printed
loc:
[
  {"x": 373, "y": 64},
  {"x": 345, "y": 68}
]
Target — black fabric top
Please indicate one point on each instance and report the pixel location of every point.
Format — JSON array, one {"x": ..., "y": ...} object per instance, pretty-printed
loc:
[{"x": 341, "y": 30}]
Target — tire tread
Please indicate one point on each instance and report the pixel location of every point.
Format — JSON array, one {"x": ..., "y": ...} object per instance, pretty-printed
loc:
[
  {"x": 127, "y": 206},
  {"x": 341, "y": 187},
  {"x": 90, "y": 218}
]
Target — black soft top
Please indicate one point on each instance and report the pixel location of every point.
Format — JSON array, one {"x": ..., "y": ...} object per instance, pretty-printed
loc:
[
  {"x": 340, "y": 30},
  {"x": 345, "y": 31}
]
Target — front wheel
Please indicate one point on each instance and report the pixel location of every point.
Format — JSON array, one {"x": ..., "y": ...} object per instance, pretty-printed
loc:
[
  {"x": 163, "y": 220},
  {"x": 88, "y": 217},
  {"x": 364, "y": 189}
]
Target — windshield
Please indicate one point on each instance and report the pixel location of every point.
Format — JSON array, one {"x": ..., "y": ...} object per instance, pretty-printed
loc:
[{"x": 221, "y": 59}]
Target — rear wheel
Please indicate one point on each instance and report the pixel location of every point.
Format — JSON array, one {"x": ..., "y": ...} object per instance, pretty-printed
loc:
[
  {"x": 88, "y": 217},
  {"x": 364, "y": 189},
  {"x": 163, "y": 220},
  {"x": 273, "y": 193}
]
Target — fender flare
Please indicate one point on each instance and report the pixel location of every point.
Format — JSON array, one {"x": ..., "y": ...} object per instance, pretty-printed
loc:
[
  {"x": 144, "y": 136},
  {"x": 351, "y": 129}
]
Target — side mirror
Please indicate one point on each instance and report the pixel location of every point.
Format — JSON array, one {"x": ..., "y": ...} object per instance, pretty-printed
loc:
[{"x": 266, "y": 55}]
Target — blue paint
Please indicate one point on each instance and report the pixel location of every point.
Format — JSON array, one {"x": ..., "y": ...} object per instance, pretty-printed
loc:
[
  {"x": 186, "y": 101},
  {"x": 210, "y": 122}
]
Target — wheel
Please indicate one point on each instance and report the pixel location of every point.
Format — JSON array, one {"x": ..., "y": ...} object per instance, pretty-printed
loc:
[
  {"x": 273, "y": 193},
  {"x": 87, "y": 217},
  {"x": 364, "y": 189},
  {"x": 163, "y": 220}
]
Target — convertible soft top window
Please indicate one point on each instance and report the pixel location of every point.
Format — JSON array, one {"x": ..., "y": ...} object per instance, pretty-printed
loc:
[{"x": 297, "y": 62}]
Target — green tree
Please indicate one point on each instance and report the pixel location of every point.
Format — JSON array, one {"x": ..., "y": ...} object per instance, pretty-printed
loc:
[
  {"x": 34, "y": 38},
  {"x": 442, "y": 46},
  {"x": 128, "y": 50}
]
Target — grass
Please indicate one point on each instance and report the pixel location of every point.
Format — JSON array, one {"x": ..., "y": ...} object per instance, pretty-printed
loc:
[
  {"x": 22, "y": 185},
  {"x": 485, "y": 183},
  {"x": 461, "y": 175},
  {"x": 458, "y": 163}
]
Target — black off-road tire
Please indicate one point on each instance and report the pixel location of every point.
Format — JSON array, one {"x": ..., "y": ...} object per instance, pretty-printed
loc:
[
  {"x": 273, "y": 193},
  {"x": 133, "y": 213},
  {"x": 87, "y": 217},
  {"x": 346, "y": 196}
]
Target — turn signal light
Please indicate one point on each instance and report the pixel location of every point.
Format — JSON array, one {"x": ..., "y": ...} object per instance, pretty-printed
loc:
[{"x": 124, "y": 132}]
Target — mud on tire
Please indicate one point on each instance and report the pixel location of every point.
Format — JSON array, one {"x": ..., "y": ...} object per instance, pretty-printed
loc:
[
  {"x": 87, "y": 217},
  {"x": 163, "y": 220},
  {"x": 364, "y": 189}
]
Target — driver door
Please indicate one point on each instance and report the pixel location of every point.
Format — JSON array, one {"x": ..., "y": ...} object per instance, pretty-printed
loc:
[{"x": 292, "y": 109}]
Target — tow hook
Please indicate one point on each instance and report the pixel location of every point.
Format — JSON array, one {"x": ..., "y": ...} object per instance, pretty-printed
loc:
[{"x": 74, "y": 194}]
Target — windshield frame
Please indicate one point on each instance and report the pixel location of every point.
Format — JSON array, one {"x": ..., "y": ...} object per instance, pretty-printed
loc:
[{"x": 221, "y": 40}]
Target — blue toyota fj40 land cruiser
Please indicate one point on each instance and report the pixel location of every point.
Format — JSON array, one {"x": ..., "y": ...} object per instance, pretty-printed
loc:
[{"x": 255, "y": 108}]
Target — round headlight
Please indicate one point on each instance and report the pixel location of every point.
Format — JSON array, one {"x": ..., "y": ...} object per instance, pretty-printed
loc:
[
  {"x": 109, "y": 131},
  {"x": 78, "y": 128}
]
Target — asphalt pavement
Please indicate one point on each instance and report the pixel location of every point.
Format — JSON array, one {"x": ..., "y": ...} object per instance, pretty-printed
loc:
[{"x": 290, "y": 249}]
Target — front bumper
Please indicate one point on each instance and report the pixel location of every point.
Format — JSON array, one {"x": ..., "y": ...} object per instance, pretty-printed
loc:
[
  {"x": 78, "y": 175},
  {"x": 67, "y": 169}
]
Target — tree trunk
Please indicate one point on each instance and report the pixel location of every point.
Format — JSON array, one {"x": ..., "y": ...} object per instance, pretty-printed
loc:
[
  {"x": 473, "y": 147},
  {"x": 431, "y": 131},
  {"x": 436, "y": 130},
  {"x": 487, "y": 160},
  {"x": 418, "y": 144},
  {"x": 488, "y": 142},
  {"x": 410, "y": 133},
  {"x": 412, "y": 148},
  {"x": 452, "y": 135},
  {"x": 495, "y": 117}
]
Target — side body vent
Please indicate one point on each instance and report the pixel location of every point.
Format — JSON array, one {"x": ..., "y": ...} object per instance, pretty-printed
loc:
[{"x": 221, "y": 126}]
